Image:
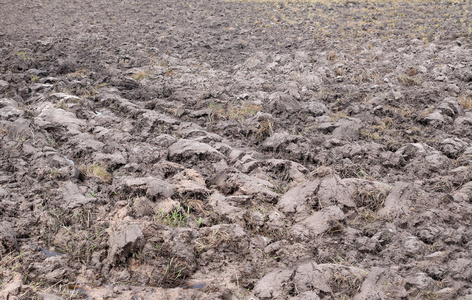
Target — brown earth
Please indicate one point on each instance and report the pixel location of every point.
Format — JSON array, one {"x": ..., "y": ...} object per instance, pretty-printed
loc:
[{"x": 235, "y": 150}]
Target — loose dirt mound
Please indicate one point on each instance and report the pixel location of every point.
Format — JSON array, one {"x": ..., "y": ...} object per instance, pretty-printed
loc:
[{"x": 235, "y": 150}]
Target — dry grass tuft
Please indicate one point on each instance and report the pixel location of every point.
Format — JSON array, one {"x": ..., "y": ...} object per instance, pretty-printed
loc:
[
  {"x": 141, "y": 75},
  {"x": 408, "y": 80},
  {"x": 197, "y": 205},
  {"x": 350, "y": 284},
  {"x": 82, "y": 73},
  {"x": 373, "y": 200},
  {"x": 266, "y": 129},
  {"x": 465, "y": 99},
  {"x": 331, "y": 55},
  {"x": 238, "y": 112},
  {"x": 338, "y": 115},
  {"x": 96, "y": 171},
  {"x": 213, "y": 240},
  {"x": 4, "y": 130}
]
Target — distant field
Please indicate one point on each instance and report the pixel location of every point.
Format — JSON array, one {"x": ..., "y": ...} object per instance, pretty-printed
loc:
[{"x": 423, "y": 19}]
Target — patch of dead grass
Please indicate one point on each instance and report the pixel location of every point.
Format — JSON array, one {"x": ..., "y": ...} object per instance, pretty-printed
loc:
[
  {"x": 212, "y": 240},
  {"x": 4, "y": 130},
  {"x": 406, "y": 80},
  {"x": 331, "y": 55},
  {"x": 349, "y": 284},
  {"x": 82, "y": 73},
  {"x": 238, "y": 112},
  {"x": 141, "y": 75},
  {"x": 96, "y": 171},
  {"x": 266, "y": 129},
  {"x": 465, "y": 99},
  {"x": 373, "y": 200},
  {"x": 385, "y": 130},
  {"x": 338, "y": 115}
]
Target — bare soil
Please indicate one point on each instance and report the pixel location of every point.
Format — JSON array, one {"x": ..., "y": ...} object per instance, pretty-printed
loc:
[{"x": 213, "y": 149}]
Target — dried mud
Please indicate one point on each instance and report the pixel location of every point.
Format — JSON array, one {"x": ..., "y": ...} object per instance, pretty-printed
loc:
[{"x": 235, "y": 150}]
